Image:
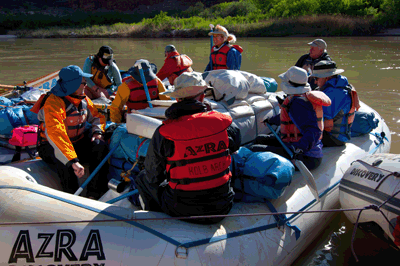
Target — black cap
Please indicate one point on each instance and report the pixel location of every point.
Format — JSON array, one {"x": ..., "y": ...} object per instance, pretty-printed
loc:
[
  {"x": 170, "y": 48},
  {"x": 106, "y": 54}
]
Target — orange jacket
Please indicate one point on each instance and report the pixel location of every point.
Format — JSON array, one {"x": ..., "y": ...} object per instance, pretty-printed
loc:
[
  {"x": 174, "y": 65},
  {"x": 54, "y": 128}
]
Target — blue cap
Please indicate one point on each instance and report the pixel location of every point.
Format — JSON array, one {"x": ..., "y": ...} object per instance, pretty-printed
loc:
[{"x": 70, "y": 78}]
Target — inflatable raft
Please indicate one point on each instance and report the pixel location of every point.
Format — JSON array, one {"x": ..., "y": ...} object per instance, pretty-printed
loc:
[
  {"x": 373, "y": 180},
  {"x": 40, "y": 225}
]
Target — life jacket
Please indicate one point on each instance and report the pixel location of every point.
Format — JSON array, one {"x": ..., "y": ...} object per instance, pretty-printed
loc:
[
  {"x": 334, "y": 126},
  {"x": 201, "y": 159},
  {"x": 99, "y": 72},
  {"x": 183, "y": 64},
  {"x": 75, "y": 121},
  {"x": 137, "y": 97},
  {"x": 290, "y": 132},
  {"x": 219, "y": 57}
]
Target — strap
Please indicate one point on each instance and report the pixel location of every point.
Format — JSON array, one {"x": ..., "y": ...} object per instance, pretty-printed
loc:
[
  {"x": 187, "y": 181},
  {"x": 281, "y": 219},
  {"x": 197, "y": 160}
]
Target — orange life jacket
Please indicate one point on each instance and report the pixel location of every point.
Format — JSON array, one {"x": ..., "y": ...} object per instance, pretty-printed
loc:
[
  {"x": 290, "y": 132},
  {"x": 183, "y": 64},
  {"x": 219, "y": 57},
  {"x": 334, "y": 126},
  {"x": 201, "y": 159},
  {"x": 99, "y": 72},
  {"x": 137, "y": 98}
]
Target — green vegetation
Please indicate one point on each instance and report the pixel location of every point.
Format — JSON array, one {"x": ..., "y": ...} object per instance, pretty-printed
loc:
[{"x": 243, "y": 18}]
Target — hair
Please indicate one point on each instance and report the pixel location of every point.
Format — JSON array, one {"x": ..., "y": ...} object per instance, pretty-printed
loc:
[{"x": 230, "y": 38}]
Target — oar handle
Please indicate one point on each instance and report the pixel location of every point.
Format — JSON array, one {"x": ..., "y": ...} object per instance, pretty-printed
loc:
[
  {"x": 139, "y": 65},
  {"x": 96, "y": 170},
  {"x": 211, "y": 41}
]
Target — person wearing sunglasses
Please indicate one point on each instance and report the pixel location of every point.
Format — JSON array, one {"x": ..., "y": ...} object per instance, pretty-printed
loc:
[
  {"x": 65, "y": 139},
  {"x": 106, "y": 75}
]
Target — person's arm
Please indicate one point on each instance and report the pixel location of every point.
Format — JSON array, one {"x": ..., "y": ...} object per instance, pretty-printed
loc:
[
  {"x": 56, "y": 132},
  {"x": 116, "y": 77},
  {"x": 166, "y": 69},
  {"x": 96, "y": 119},
  {"x": 87, "y": 68},
  {"x": 118, "y": 103},
  {"x": 300, "y": 62},
  {"x": 304, "y": 117},
  {"x": 156, "y": 158},
  {"x": 235, "y": 137},
  {"x": 234, "y": 59}
]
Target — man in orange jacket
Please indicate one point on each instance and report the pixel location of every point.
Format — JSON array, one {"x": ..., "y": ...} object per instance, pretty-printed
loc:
[
  {"x": 174, "y": 65},
  {"x": 65, "y": 115}
]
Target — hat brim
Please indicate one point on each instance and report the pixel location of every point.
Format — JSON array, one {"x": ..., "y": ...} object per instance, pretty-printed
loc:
[
  {"x": 329, "y": 73},
  {"x": 66, "y": 88},
  {"x": 148, "y": 74},
  {"x": 289, "y": 89},
  {"x": 185, "y": 92},
  {"x": 216, "y": 33}
]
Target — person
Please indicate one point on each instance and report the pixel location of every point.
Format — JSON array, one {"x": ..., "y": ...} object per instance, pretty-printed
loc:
[
  {"x": 300, "y": 120},
  {"x": 174, "y": 64},
  {"x": 132, "y": 92},
  {"x": 63, "y": 141},
  {"x": 317, "y": 53},
  {"x": 339, "y": 116},
  {"x": 106, "y": 75},
  {"x": 224, "y": 55},
  {"x": 191, "y": 150}
]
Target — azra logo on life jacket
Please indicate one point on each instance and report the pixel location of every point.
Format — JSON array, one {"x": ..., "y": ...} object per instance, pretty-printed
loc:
[
  {"x": 207, "y": 148},
  {"x": 65, "y": 239}
]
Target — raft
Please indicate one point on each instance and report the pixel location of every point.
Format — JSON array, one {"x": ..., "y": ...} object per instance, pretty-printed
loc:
[
  {"x": 41, "y": 225},
  {"x": 373, "y": 180}
]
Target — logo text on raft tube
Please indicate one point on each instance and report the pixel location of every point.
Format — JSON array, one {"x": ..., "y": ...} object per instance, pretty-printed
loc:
[
  {"x": 65, "y": 239},
  {"x": 367, "y": 174}
]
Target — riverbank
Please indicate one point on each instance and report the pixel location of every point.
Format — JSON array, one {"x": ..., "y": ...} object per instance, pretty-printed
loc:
[{"x": 175, "y": 28}]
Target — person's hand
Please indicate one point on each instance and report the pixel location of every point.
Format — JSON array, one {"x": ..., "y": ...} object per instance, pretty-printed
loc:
[
  {"x": 267, "y": 121},
  {"x": 97, "y": 136},
  {"x": 296, "y": 152},
  {"x": 79, "y": 170}
]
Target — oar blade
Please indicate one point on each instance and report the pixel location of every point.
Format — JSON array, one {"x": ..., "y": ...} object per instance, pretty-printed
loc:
[{"x": 308, "y": 177}]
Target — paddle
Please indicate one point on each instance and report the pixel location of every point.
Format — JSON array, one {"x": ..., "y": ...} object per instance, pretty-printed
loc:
[
  {"x": 211, "y": 41},
  {"x": 139, "y": 65},
  {"x": 308, "y": 177},
  {"x": 95, "y": 170}
]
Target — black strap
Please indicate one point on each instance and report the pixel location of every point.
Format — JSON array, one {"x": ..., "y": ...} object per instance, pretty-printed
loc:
[{"x": 197, "y": 160}]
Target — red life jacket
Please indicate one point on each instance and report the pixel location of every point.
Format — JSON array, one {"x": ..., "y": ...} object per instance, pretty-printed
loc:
[
  {"x": 183, "y": 64},
  {"x": 335, "y": 125},
  {"x": 201, "y": 159},
  {"x": 137, "y": 98},
  {"x": 219, "y": 57},
  {"x": 290, "y": 133}
]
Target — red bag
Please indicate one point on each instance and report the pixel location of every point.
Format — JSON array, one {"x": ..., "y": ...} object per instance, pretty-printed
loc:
[{"x": 24, "y": 136}]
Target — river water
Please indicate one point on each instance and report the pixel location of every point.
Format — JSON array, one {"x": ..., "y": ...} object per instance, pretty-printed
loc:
[{"x": 371, "y": 64}]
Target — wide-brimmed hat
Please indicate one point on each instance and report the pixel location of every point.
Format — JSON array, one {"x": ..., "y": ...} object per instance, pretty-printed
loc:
[
  {"x": 106, "y": 54},
  {"x": 321, "y": 44},
  {"x": 188, "y": 84},
  {"x": 148, "y": 70},
  {"x": 219, "y": 30},
  {"x": 294, "y": 81},
  {"x": 325, "y": 68},
  {"x": 70, "y": 78}
]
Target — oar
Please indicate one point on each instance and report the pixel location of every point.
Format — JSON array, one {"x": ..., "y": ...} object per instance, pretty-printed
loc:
[
  {"x": 211, "y": 41},
  {"x": 308, "y": 177},
  {"x": 139, "y": 65},
  {"x": 96, "y": 170}
]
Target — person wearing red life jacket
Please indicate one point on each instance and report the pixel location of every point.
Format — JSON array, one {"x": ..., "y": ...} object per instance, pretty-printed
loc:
[
  {"x": 186, "y": 169},
  {"x": 174, "y": 64},
  {"x": 300, "y": 120},
  {"x": 64, "y": 141},
  {"x": 132, "y": 92},
  {"x": 224, "y": 55},
  {"x": 339, "y": 116}
]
